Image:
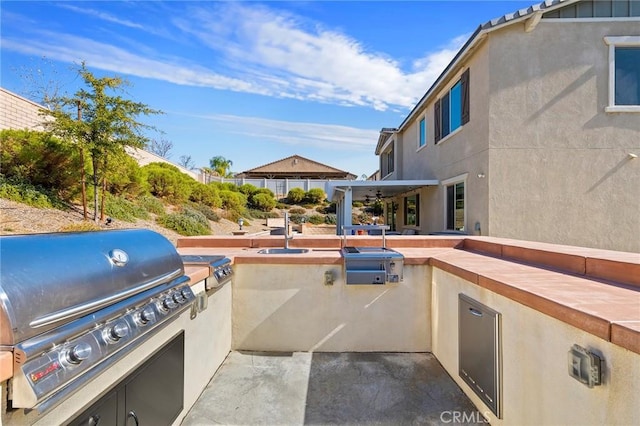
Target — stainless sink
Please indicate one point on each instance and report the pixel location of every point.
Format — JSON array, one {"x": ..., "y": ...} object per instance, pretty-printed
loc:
[{"x": 283, "y": 251}]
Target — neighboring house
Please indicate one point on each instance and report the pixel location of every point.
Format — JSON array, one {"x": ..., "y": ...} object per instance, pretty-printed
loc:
[
  {"x": 295, "y": 167},
  {"x": 531, "y": 132},
  {"x": 19, "y": 113}
]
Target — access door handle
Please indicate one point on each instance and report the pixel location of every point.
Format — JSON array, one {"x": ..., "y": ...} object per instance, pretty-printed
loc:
[
  {"x": 132, "y": 415},
  {"x": 475, "y": 312}
]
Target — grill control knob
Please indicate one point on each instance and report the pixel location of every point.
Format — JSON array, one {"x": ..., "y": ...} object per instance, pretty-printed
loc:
[
  {"x": 186, "y": 293},
  {"x": 178, "y": 297},
  {"x": 78, "y": 353},
  {"x": 146, "y": 315},
  {"x": 118, "y": 331},
  {"x": 168, "y": 303}
]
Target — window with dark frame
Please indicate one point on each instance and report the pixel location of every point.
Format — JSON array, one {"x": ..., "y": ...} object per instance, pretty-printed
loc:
[
  {"x": 412, "y": 210},
  {"x": 455, "y": 206},
  {"x": 627, "y": 76},
  {"x": 387, "y": 161},
  {"x": 451, "y": 111}
]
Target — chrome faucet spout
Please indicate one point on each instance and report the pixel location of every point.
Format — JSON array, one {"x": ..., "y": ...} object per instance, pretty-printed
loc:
[{"x": 287, "y": 237}]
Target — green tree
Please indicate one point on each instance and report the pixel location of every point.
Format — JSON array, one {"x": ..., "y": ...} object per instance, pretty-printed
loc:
[
  {"x": 221, "y": 166},
  {"x": 106, "y": 124}
]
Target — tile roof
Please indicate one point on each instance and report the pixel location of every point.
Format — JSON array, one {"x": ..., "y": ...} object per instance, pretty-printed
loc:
[{"x": 295, "y": 163}]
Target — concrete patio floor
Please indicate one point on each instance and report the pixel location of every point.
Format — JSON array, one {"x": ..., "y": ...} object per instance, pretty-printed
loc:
[{"x": 255, "y": 388}]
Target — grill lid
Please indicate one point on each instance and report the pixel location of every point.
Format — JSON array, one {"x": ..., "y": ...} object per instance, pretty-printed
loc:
[{"x": 50, "y": 279}]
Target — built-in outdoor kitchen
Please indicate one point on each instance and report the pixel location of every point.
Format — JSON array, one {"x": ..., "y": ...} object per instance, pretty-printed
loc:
[{"x": 123, "y": 328}]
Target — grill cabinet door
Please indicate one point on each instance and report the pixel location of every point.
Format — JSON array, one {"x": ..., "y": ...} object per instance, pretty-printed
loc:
[
  {"x": 103, "y": 412},
  {"x": 479, "y": 350},
  {"x": 155, "y": 393}
]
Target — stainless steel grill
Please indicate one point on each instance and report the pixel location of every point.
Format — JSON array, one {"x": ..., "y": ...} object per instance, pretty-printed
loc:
[
  {"x": 72, "y": 304},
  {"x": 220, "y": 271}
]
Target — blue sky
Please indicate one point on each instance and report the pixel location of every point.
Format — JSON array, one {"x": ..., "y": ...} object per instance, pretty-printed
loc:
[{"x": 254, "y": 82}]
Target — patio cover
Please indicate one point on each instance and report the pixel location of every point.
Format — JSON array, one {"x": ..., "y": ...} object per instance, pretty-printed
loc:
[{"x": 344, "y": 193}]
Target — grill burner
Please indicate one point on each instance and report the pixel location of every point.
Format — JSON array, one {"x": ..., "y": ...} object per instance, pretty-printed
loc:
[{"x": 73, "y": 304}]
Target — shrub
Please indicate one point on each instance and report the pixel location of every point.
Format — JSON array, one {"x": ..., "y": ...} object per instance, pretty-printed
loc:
[
  {"x": 22, "y": 192},
  {"x": 309, "y": 206},
  {"x": 189, "y": 222},
  {"x": 297, "y": 210},
  {"x": 315, "y": 196},
  {"x": 257, "y": 214},
  {"x": 207, "y": 211},
  {"x": 166, "y": 181},
  {"x": 295, "y": 195},
  {"x": 151, "y": 204},
  {"x": 262, "y": 201},
  {"x": 321, "y": 209},
  {"x": 122, "y": 209},
  {"x": 378, "y": 208},
  {"x": 316, "y": 219},
  {"x": 125, "y": 177},
  {"x": 357, "y": 204},
  {"x": 42, "y": 160},
  {"x": 248, "y": 189},
  {"x": 298, "y": 218},
  {"x": 232, "y": 200},
  {"x": 282, "y": 206},
  {"x": 331, "y": 219},
  {"x": 225, "y": 186},
  {"x": 205, "y": 194}
]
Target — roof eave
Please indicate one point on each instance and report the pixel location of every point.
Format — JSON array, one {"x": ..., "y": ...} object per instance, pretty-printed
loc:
[{"x": 533, "y": 12}]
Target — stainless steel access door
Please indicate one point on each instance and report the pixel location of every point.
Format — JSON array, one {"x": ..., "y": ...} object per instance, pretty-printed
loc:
[{"x": 479, "y": 350}]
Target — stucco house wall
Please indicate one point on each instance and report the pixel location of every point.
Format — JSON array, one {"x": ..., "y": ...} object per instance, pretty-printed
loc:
[
  {"x": 559, "y": 167},
  {"x": 463, "y": 152},
  {"x": 540, "y": 157}
]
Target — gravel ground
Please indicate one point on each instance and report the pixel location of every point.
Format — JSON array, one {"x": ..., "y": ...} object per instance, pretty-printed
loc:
[{"x": 17, "y": 218}]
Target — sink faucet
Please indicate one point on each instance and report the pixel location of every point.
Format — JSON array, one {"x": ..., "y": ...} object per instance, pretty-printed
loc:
[{"x": 287, "y": 237}]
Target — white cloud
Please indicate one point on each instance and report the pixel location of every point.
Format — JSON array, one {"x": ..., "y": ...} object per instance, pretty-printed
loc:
[
  {"x": 319, "y": 64},
  {"x": 101, "y": 15},
  {"x": 110, "y": 58},
  {"x": 257, "y": 50},
  {"x": 298, "y": 133}
]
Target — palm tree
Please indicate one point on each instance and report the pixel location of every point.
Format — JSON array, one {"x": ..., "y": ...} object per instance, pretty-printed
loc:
[{"x": 221, "y": 166}]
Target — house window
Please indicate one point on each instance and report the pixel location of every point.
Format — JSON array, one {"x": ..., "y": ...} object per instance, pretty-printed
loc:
[
  {"x": 412, "y": 210},
  {"x": 422, "y": 136},
  {"x": 387, "y": 160},
  {"x": 624, "y": 74},
  {"x": 455, "y": 206},
  {"x": 451, "y": 111}
]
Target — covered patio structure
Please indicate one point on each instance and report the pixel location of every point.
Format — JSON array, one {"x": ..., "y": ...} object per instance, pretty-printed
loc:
[{"x": 344, "y": 193}]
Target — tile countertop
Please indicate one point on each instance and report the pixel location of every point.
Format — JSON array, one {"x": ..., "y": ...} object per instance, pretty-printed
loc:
[
  {"x": 605, "y": 309},
  {"x": 6, "y": 365}
]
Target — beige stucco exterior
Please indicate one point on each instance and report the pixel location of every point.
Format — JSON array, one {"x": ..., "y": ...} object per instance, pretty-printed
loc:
[
  {"x": 536, "y": 386},
  {"x": 282, "y": 308},
  {"x": 540, "y": 157}
]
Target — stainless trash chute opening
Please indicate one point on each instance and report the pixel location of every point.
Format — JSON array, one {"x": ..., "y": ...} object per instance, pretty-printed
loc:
[{"x": 72, "y": 303}]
